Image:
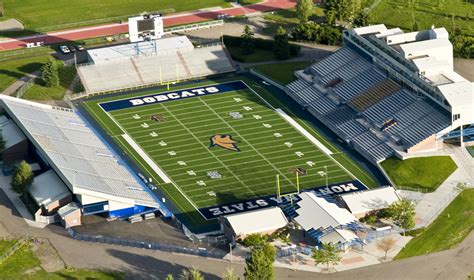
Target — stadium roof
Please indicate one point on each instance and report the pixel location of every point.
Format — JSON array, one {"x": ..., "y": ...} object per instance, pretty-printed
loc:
[
  {"x": 317, "y": 213},
  {"x": 141, "y": 48},
  {"x": 76, "y": 153},
  {"x": 47, "y": 188},
  {"x": 10, "y": 132},
  {"x": 263, "y": 220},
  {"x": 366, "y": 201}
]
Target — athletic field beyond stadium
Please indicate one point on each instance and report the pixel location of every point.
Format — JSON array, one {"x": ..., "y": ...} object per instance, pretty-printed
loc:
[{"x": 217, "y": 148}]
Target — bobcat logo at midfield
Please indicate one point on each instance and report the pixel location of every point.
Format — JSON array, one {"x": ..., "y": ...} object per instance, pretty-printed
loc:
[{"x": 224, "y": 141}]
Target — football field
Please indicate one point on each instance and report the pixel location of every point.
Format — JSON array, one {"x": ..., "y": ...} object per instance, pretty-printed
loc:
[{"x": 218, "y": 148}]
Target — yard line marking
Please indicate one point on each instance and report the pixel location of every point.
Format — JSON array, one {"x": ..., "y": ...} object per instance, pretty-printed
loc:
[
  {"x": 243, "y": 138},
  {"x": 197, "y": 139}
]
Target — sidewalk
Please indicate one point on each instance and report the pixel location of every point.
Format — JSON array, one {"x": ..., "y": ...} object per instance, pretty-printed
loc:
[
  {"x": 15, "y": 199},
  {"x": 431, "y": 204}
]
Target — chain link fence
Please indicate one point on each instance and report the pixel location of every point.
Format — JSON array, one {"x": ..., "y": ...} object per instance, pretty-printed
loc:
[{"x": 203, "y": 252}]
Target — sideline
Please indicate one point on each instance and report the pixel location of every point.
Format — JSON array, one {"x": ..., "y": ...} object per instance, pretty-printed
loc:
[
  {"x": 303, "y": 131},
  {"x": 147, "y": 159}
]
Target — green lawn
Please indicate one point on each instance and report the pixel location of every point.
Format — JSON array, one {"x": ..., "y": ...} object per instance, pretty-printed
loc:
[
  {"x": 44, "y": 13},
  {"x": 447, "y": 13},
  {"x": 25, "y": 265},
  {"x": 40, "y": 92},
  {"x": 449, "y": 229},
  {"x": 12, "y": 70},
  {"x": 420, "y": 173},
  {"x": 282, "y": 72}
]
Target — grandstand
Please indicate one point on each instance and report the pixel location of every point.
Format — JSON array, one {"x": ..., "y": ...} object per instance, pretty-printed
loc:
[
  {"x": 100, "y": 181},
  {"x": 162, "y": 61},
  {"x": 388, "y": 92}
]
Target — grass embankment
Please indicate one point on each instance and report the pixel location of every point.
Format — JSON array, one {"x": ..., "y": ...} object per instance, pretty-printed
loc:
[
  {"x": 449, "y": 229},
  {"x": 282, "y": 73},
  {"x": 426, "y": 173},
  {"x": 421, "y": 14},
  {"x": 23, "y": 264},
  {"x": 14, "y": 69},
  {"x": 40, "y": 92}
]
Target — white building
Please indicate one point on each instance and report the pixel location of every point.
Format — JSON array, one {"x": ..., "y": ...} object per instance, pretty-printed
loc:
[{"x": 361, "y": 203}]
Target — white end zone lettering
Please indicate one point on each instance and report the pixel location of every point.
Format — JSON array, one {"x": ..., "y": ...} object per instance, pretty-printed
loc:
[
  {"x": 212, "y": 89},
  {"x": 173, "y": 95},
  {"x": 136, "y": 102}
]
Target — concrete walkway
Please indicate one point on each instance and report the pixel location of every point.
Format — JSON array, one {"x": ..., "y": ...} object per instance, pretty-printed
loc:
[
  {"x": 431, "y": 204},
  {"x": 12, "y": 89}
]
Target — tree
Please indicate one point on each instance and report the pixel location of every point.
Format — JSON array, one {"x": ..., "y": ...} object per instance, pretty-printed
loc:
[
  {"x": 341, "y": 8},
  {"x": 331, "y": 17},
  {"x": 22, "y": 178},
  {"x": 229, "y": 274},
  {"x": 402, "y": 213},
  {"x": 386, "y": 244},
  {"x": 191, "y": 274},
  {"x": 169, "y": 277},
  {"x": 281, "y": 48},
  {"x": 260, "y": 263},
  {"x": 248, "y": 42},
  {"x": 254, "y": 240},
  {"x": 49, "y": 73},
  {"x": 304, "y": 9},
  {"x": 328, "y": 254},
  {"x": 361, "y": 18}
]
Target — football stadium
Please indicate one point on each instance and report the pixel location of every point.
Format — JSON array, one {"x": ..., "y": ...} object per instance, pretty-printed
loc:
[{"x": 168, "y": 127}]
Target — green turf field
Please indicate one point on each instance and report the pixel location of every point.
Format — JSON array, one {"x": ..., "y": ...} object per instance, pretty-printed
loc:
[
  {"x": 190, "y": 123},
  {"x": 183, "y": 137}
]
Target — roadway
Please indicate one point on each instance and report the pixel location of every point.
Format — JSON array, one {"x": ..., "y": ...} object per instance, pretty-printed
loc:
[{"x": 117, "y": 28}]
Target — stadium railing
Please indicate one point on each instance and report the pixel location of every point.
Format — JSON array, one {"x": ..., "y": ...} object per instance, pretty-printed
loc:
[{"x": 203, "y": 252}]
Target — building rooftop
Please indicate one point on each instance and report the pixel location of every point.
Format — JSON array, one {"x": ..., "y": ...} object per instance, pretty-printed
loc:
[
  {"x": 12, "y": 135},
  {"x": 317, "y": 213},
  {"x": 47, "y": 188},
  {"x": 369, "y": 200},
  {"x": 76, "y": 152},
  {"x": 257, "y": 221}
]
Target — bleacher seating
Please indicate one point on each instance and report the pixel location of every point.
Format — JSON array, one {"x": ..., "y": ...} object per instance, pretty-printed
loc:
[
  {"x": 368, "y": 144},
  {"x": 374, "y": 94},
  {"x": 333, "y": 62},
  {"x": 386, "y": 108},
  {"x": 365, "y": 108},
  {"x": 347, "y": 72},
  {"x": 351, "y": 129},
  {"x": 353, "y": 87}
]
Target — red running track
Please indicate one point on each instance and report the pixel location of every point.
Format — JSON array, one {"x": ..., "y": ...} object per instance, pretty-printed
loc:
[{"x": 112, "y": 29}]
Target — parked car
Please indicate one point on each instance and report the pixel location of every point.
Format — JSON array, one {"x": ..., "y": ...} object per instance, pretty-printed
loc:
[
  {"x": 72, "y": 48},
  {"x": 80, "y": 48},
  {"x": 64, "y": 49}
]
